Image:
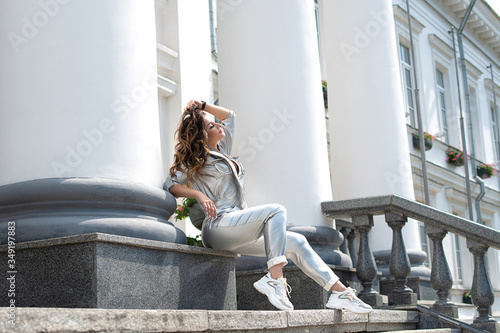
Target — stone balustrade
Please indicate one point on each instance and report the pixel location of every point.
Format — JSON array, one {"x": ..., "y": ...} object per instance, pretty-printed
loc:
[{"x": 438, "y": 223}]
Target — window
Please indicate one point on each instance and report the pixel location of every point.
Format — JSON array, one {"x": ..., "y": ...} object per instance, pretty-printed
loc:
[
  {"x": 441, "y": 97},
  {"x": 458, "y": 260},
  {"x": 408, "y": 82},
  {"x": 475, "y": 141},
  {"x": 424, "y": 243}
]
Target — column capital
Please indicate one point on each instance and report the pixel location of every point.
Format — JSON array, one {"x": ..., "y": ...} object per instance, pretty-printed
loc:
[
  {"x": 476, "y": 248},
  {"x": 363, "y": 221},
  {"x": 435, "y": 233}
]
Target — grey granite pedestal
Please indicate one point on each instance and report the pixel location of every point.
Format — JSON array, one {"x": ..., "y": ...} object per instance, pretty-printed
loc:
[
  {"x": 306, "y": 294},
  {"x": 450, "y": 310},
  {"x": 117, "y": 272},
  {"x": 420, "y": 286},
  {"x": 489, "y": 326}
]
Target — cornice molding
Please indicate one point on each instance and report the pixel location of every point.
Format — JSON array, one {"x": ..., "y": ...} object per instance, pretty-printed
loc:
[
  {"x": 440, "y": 45},
  {"x": 401, "y": 16}
]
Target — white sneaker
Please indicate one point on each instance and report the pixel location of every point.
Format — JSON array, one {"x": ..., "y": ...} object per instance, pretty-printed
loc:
[
  {"x": 277, "y": 291},
  {"x": 348, "y": 300}
]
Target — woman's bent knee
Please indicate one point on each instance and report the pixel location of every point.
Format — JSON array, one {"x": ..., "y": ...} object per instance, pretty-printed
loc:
[
  {"x": 296, "y": 242},
  {"x": 277, "y": 209}
]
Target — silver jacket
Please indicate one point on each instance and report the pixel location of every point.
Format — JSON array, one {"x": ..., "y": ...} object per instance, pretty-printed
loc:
[{"x": 219, "y": 180}]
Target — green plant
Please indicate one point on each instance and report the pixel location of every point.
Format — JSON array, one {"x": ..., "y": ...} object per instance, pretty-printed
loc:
[
  {"x": 427, "y": 140},
  {"x": 182, "y": 211},
  {"x": 466, "y": 297},
  {"x": 195, "y": 241},
  {"x": 427, "y": 136},
  {"x": 455, "y": 156},
  {"x": 486, "y": 170},
  {"x": 325, "y": 93}
]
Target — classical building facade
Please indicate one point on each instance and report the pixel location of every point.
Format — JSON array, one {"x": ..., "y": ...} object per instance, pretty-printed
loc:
[
  {"x": 269, "y": 72},
  {"x": 94, "y": 91}
]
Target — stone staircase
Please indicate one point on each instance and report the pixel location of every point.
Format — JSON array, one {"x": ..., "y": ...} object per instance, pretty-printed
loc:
[
  {"x": 119, "y": 320},
  {"x": 52, "y": 320},
  {"x": 109, "y": 283}
]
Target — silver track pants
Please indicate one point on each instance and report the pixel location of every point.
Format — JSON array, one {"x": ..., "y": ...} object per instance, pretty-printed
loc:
[{"x": 261, "y": 231}]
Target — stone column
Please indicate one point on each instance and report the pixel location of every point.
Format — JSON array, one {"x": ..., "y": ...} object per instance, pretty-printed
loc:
[
  {"x": 269, "y": 74},
  {"x": 368, "y": 139},
  {"x": 80, "y": 119}
]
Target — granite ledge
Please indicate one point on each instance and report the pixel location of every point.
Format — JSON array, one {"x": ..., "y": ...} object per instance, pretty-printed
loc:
[{"x": 129, "y": 241}]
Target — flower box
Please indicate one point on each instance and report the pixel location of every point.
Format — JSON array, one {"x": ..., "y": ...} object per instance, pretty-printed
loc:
[
  {"x": 427, "y": 143},
  {"x": 427, "y": 140},
  {"x": 485, "y": 171},
  {"x": 455, "y": 156}
]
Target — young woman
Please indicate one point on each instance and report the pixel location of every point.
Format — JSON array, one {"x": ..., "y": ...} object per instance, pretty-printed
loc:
[{"x": 203, "y": 169}]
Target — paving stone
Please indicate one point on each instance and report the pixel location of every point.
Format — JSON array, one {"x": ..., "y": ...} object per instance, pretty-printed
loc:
[
  {"x": 249, "y": 320},
  {"x": 386, "y": 316},
  {"x": 109, "y": 320}
]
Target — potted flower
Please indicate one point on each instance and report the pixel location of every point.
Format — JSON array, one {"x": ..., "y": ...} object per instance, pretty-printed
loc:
[
  {"x": 466, "y": 297},
  {"x": 427, "y": 140},
  {"x": 182, "y": 210},
  {"x": 485, "y": 170},
  {"x": 325, "y": 93},
  {"x": 181, "y": 213},
  {"x": 455, "y": 156}
]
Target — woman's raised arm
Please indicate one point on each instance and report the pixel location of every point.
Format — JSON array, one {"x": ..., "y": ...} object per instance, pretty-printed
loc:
[{"x": 217, "y": 111}]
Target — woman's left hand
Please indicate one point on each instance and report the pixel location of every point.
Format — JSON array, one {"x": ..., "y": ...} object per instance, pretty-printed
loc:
[
  {"x": 193, "y": 103},
  {"x": 208, "y": 205}
]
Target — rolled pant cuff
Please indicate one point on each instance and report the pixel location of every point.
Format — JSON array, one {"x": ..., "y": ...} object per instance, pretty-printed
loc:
[
  {"x": 329, "y": 285},
  {"x": 277, "y": 260}
]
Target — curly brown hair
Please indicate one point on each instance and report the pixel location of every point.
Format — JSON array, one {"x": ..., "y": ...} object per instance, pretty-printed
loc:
[{"x": 191, "y": 150}]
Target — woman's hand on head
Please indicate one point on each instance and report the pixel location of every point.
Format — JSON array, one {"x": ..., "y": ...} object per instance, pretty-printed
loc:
[
  {"x": 208, "y": 205},
  {"x": 192, "y": 103}
]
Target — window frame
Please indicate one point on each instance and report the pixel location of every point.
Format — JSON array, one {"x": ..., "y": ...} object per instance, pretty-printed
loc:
[{"x": 406, "y": 67}]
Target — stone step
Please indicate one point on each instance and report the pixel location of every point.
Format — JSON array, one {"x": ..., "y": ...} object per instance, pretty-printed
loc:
[
  {"x": 51, "y": 320},
  {"x": 434, "y": 330}
]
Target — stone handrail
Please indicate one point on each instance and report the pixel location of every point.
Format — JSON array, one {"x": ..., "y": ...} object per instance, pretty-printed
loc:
[
  {"x": 379, "y": 205},
  {"x": 397, "y": 210}
]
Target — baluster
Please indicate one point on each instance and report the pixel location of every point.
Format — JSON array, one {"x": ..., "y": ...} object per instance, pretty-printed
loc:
[
  {"x": 481, "y": 291},
  {"x": 352, "y": 247},
  {"x": 399, "y": 264},
  {"x": 441, "y": 280},
  {"x": 366, "y": 268},
  {"x": 343, "y": 246}
]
